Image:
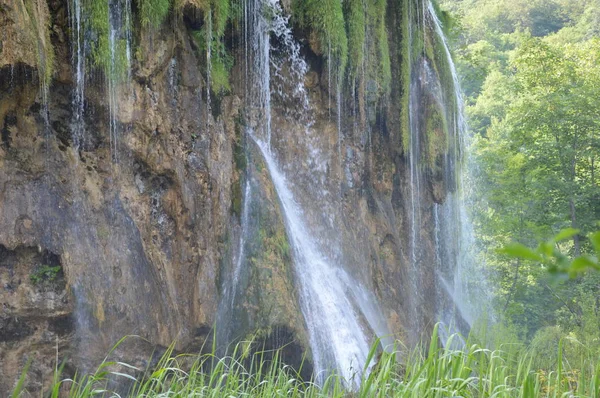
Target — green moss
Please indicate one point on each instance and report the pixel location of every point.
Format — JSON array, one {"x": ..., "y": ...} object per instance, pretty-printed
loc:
[
  {"x": 153, "y": 12},
  {"x": 448, "y": 22},
  {"x": 40, "y": 18},
  {"x": 385, "y": 67},
  {"x": 436, "y": 135},
  {"x": 218, "y": 13},
  {"x": 221, "y": 61},
  {"x": 113, "y": 62},
  {"x": 221, "y": 12},
  {"x": 97, "y": 12},
  {"x": 45, "y": 274},
  {"x": 326, "y": 19},
  {"x": 274, "y": 248},
  {"x": 406, "y": 77},
  {"x": 239, "y": 153},
  {"x": 220, "y": 69},
  {"x": 355, "y": 25},
  {"x": 236, "y": 199}
]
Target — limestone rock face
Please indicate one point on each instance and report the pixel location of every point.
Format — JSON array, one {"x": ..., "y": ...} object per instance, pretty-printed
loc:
[
  {"x": 134, "y": 232},
  {"x": 138, "y": 222},
  {"x": 19, "y": 36}
]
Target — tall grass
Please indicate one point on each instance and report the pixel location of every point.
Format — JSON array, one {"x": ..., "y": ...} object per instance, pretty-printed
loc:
[{"x": 438, "y": 371}]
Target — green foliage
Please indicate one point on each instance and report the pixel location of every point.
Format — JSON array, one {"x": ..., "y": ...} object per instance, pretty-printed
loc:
[
  {"x": 437, "y": 136},
  {"x": 531, "y": 74},
  {"x": 221, "y": 12},
  {"x": 19, "y": 388},
  {"x": 153, "y": 12},
  {"x": 217, "y": 14},
  {"x": 369, "y": 54},
  {"x": 326, "y": 18},
  {"x": 38, "y": 14},
  {"x": 472, "y": 371},
  {"x": 356, "y": 27},
  {"x": 113, "y": 62},
  {"x": 379, "y": 66},
  {"x": 97, "y": 12},
  {"x": 405, "y": 65},
  {"x": 220, "y": 68},
  {"x": 221, "y": 61},
  {"x": 549, "y": 254},
  {"x": 44, "y": 274}
]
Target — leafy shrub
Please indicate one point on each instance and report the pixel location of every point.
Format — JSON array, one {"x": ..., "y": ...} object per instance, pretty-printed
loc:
[{"x": 44, "y": 274}]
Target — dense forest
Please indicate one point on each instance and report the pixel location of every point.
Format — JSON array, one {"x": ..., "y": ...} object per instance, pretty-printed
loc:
[{"x": 530, "y": 71}]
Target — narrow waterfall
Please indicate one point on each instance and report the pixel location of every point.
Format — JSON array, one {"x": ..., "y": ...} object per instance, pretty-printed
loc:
[
  {"x": 78, "y": 50},
  {"x": 415, "y": 28},
  {"x": 453, "y": 238},
  {"x": 466, "y": 284},
  {"x": 119, "y": 67},
  {"x": 338, "y": 340},
  {"x": 341, "y": 316}
]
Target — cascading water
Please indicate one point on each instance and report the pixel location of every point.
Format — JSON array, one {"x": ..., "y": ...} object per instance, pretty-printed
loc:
[
  {"x": 456, "y": 295},
  {"x": 338, "y": 340},
  {"x": 239, "y": 261},
  {"x": 414, "y": 160},
  {"x": 78, "y": 64},
  {"x": 119, "y": 71},
  {"x": 340, "y": 314},
  {"x": 468, "y": 296}
]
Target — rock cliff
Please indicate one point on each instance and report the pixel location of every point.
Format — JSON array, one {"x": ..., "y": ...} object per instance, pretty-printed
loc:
[{"x": 133, "y": 228}]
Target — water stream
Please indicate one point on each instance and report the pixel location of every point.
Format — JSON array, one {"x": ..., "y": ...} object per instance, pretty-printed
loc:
[
  {"x": 340, "y": 315},
  {"x": 78, "y": 64},
  {"x": 327, "y": 292}
]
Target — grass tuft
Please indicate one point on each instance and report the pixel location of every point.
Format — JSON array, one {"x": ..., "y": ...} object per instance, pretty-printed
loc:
[{"x": 440, "y": 370}]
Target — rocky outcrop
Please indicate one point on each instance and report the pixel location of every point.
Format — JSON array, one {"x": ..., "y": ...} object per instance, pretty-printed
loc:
[
  {"x": 134, "y": 233},
  {"x": 36, "y": 321}
]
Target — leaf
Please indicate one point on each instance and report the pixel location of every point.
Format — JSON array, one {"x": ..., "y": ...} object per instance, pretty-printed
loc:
[
  {"x": 595, "y": 238},
  {"x": 546, "y": 248},
  {"x": 19, "y": 387},
  {"x": 520, "y": 251},
  {"x": 565, "y": 234},
  {"x": 582, "y": 263}
]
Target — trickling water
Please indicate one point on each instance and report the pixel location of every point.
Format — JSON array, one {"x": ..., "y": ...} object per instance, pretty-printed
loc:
[
  {"x": 452, "y": 228},
  {"x": 458, "y": 226},
  {"x": 414, "y": 159},
  {"x": 247, "y": 198},
  {"x": 337, "y": 338},
  {"x": 119, "y": 73},
  {"x": 78, "y": 64},
  {"x": 209, "y": 40},
  {"x": 340, "y": 314},
  {"x": 452, "y": 235}
]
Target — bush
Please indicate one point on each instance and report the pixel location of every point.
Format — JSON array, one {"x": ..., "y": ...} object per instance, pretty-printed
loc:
[{"x": 44, "y": 274}]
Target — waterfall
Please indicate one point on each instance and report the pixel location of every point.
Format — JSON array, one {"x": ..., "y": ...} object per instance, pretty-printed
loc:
[
  {"x": 457, "y": 228},
  {"x": 338, "y": 341},
  {"x": 78, "y": 64},
  {"x": 340, "y": 314},
  {"x": 245, "y": 219},
  {"x": 414, "y": 160},
  {"x": 459, "y": 298},
  {"x": 119, "y": 72}
]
